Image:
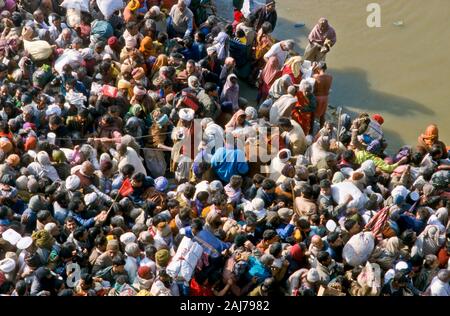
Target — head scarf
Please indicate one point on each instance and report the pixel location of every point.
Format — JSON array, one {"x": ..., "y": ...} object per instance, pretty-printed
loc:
[
  {"x": 146, "y": 47},
  {"x": 161, "y": 61},
  {"x": 221, "y": 44},
  {"x": 43, "y": 158},
  {"x": 231, "y": 91},
  {"x": 295, "y": 63},
  {"x": 232, "y": 124},
  {"x": 280, "y": 86},
  {"x": 431, "y": 135},
  {"x": 338, "y": 177},
  {"x": 251, "y": 113},
  {"x": 192, "y": 80}
]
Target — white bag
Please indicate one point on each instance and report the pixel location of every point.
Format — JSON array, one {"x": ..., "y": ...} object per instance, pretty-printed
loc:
[
  {"x": 358, "y": 249},
  {"x": 183, "y": 264},
  {"x": 71, "y": 57},
  {"x": 11, "y": 236},
  {"x": 81, "y": 5},
  {"x": 108, "y": 7},
  {"x": 39, "y": 50},
  {"x": 341, "y": 190}
]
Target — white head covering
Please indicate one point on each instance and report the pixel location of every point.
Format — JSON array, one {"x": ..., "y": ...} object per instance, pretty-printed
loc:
[
  {"x": 90, "y": 198},
  {"x": 24, "y": 242},
  {"x": 49, "y": 227},
  {"x": 7, "y": 265},
  {"x": 128, "y": 238},
  {"x": 72, "y": 182},
  {"x": 186, "y": 114}
]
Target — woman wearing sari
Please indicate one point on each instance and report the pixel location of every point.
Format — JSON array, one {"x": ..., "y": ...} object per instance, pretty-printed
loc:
[
  {"x": 269, "y": 74},
  {"x": 264, "y": 42},
  {"x": 293, "y": 68},
  {"x": 303, "y": 112},
  {"x": 147, "y": 50},
  {"x": 160, "y": 61},
  {"x": 280, "y": 87},
  {"x": 237, "y": 122},
  {"x": 430, "y": 138},
  {"x": 230, "y": 92}
]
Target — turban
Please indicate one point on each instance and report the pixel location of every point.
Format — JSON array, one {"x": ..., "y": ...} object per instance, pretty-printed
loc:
[
  {"x": 72, "y": 183},
  {"x": 162, "y": 257},
  {"x": 139, "y": 91},
  {"x": 123, "y": 84},
  {"x": 187, "y": 114},
  {"x": 112, "y": 41},
  {"x": 138, "y": 73},
  {"x": 378, "y": 118},
  {"x": 13, "y": 160},
  {"x": 128, "y": 238},
  {"x": 43, "y": 239}
]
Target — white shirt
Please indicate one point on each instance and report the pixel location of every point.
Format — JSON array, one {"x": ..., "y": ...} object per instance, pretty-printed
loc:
[
  {"x": 276, "y": 50},
  {"x": 439, "y": 288}
]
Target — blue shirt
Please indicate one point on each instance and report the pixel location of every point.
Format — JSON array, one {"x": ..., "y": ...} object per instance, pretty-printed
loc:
[
  {"x": 229, "y": 162},
  {"x": 208, "y": 238},
  {"x": 285, "y": 230}
]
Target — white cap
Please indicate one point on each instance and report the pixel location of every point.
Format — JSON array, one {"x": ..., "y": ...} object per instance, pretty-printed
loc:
[
  {"x": 24, "y": 242},
  {"x": 11, "y": 236},
  {"x": 127, "y": 238},
  {"x": 49, "y": 227},
  {"x": 7, "y": 265},
  {"x": 90, "y": 198}
]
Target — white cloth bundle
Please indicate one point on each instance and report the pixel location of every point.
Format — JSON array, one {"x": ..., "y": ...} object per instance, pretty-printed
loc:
[{"x": 183, "y": 264}]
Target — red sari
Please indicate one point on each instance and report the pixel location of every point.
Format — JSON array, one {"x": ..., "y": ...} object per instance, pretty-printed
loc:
[
  {"x": 288, "y": 71},
  {"x": 303, "y": 118}
]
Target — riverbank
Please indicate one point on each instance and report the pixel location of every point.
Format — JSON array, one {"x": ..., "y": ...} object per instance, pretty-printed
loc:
[{"x": 385, "y": 70}]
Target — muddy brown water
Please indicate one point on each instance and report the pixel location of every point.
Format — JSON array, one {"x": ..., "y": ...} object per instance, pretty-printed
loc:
[{"x": 401, "y": 72}]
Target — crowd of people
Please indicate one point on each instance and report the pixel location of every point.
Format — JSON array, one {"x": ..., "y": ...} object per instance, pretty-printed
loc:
[{"x": 131, "y": 165}]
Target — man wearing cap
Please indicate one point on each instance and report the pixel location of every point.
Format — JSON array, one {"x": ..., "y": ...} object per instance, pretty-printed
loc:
[{"x": 266, "y": 13}]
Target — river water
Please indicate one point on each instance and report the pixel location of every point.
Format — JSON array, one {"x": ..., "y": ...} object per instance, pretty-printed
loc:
[{"x": 401, "y": 72}]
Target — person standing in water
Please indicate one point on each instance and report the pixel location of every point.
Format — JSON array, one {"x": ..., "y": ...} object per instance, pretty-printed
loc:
[
  {"x": 321, "y": 39},
  {"x": 322, "y": 88}
]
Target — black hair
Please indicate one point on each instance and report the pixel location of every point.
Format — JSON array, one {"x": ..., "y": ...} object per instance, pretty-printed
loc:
[
  {"x": 202, "y": 195},
  {"x": 42, "y": 215},
  {"x": 100, "y": 241},
  {"x": 269, "y": 234},
  {"x": 258, "y": 178},
  {"x": 275, "y": 249},
  {"x": 139, "y": 177},
  {"x": 307, "y": 191},
  {"x": 268, "y": 184},
  {"x": 333, "y": 236},
  {"x": 127, "y": 170},
  {"x": 323, "y": 256},
  {"x": 197, "y": 224},
  {"x": 118, "y": 261},
  {"x": 21, "y": 287},
  {"x": 79, "y": 232},
  {"x": 349, "y": 224},
  {"x": 348, "y": 155}
]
